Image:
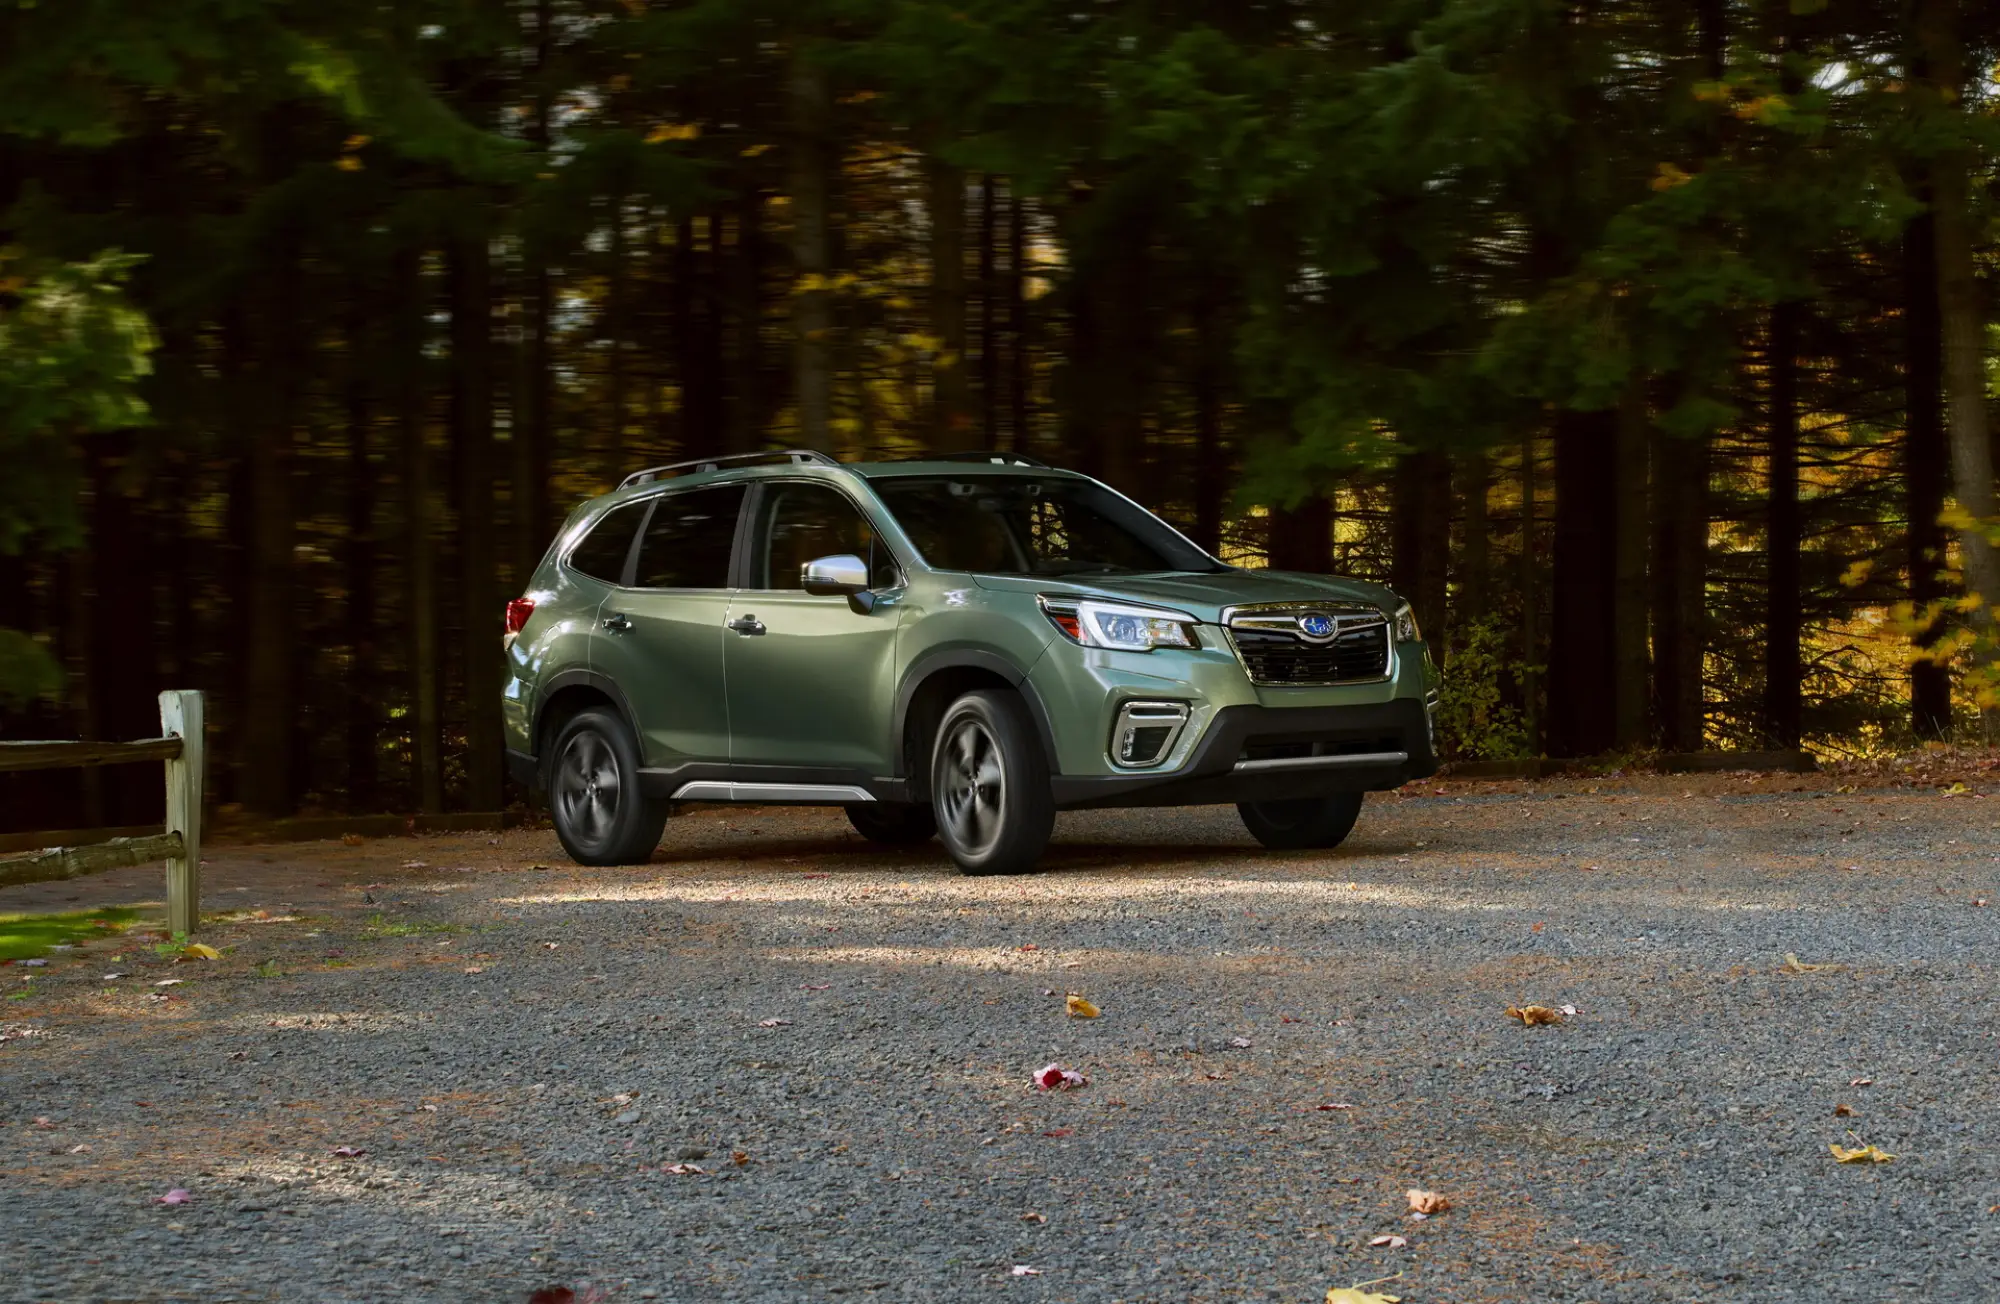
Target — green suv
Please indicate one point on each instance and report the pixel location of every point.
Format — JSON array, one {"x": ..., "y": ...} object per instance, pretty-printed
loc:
[{"x": 956, "y": 647}]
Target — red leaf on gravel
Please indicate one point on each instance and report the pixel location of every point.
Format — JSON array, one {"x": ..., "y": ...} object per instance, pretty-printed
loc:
[
  {"x": 1059, "y": 1077},
  {"x": 1335, "y": 1104},
  {"x": 814, "y": 987},
  {"x": 347, "y": 1152},
  {"x": 1060, "y": 1131},
  {"x": 1388, "y": 1243},
  {"x": 178, "y": 1195},
  {"x": 683, "y": 1170},
  {"x": 1029, "y": 946},
  {"x": 774, "y": 1023}
]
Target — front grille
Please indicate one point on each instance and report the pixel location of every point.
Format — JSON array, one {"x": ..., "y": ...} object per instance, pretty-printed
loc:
[{"x": 1275, "y": 657}]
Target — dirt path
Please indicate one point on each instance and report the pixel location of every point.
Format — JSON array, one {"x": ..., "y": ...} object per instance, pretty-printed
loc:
[{"x": 841, "y": 1040}]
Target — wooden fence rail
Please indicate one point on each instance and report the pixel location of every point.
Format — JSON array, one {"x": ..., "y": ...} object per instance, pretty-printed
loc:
[{"x": 179, "y": 846}]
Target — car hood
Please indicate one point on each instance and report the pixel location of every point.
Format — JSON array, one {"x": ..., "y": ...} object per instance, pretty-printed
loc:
[{"x": 1203, "y": 596}]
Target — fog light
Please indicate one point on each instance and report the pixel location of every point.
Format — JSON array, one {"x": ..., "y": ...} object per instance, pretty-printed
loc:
[{"x": 1145, "y": 733}]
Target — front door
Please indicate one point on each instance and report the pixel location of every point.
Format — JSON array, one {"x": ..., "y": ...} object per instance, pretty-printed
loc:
[
  {"x": 811, "y": 681},
  {"x": 661, "y": 636}
]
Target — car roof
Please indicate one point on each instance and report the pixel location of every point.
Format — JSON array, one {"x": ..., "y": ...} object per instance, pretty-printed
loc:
[{"x": 865, "y": 470}]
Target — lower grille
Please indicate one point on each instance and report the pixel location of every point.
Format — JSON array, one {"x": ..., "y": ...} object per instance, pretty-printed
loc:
[{"x": 1275, "y": 657}]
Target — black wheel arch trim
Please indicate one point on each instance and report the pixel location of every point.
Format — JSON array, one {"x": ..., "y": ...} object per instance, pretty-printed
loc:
[
  {"x": 582, "y": 678},
  {"x": 970, "y": 658}
]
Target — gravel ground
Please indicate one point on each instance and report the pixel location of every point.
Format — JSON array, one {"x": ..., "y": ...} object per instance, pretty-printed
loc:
[{"x": 841, "y": 1040}]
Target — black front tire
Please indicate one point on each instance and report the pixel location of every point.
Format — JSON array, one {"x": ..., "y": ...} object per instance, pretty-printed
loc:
[
  {"x": 1307, "y": 822},
  {"x": 893, "y": 823},
  {"x": 990, "y": 785},
  {"x": 600, "y": 814}
]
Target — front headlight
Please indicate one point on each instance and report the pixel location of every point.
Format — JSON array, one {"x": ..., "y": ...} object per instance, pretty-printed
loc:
[
  {"x": 1115, "y": 625},
  {"x": 1405, "y": 621}
]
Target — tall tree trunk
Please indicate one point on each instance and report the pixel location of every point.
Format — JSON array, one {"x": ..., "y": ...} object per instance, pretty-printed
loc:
[
  {"x": 470, "y": 271},
  {"x": 1964, "y": 326},
  {"x": 1420, "y": 540},
  {"x": 1475, "y": 588},
  {"x": 419, "y": 538},
  {"x": 270, "y": 705},
  {"x": 1925, "y": 467},
  {"x": 1302, "y": 538},
  {"x": 534, "y": 403},
  {"x": 1531, "y": 594},
  {"x": 1680, "y": 609},
  {"x": 951, "y": 407},
  {"x": 616, "y": 330},
  {"x": 121, "y": 651},
  {"x": 1628, "y": 621},
  {"x": 1582, "y": 679},
  {"x": 1783, "y": 607},
  {"x": 363, "y": 712},
  {"x": 989, "y": 319},
  {"x": 811, "y": 166},
  {"x": 1020, "y": 355},
  {"x": 746, "y": 316},
  {"x": 1210, "y": 472}
]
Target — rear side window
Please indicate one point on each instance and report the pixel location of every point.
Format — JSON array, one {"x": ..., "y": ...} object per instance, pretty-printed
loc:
[
  {"x": 804, "y": 522},
  {"x": 688, "y": 541},
  {"x": 603, "y": 551}
]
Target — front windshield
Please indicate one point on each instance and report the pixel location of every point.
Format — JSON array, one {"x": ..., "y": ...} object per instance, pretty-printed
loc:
[{"x": 1032, "y": 525}]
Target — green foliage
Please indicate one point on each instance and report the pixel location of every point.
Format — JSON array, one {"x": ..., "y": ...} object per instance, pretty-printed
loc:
[
  {"x": 31, "y": 936},
  {"x": 1474, "y": 719}
]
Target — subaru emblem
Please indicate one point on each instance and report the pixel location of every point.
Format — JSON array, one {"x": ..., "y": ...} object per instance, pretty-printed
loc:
[{"x": 1316, "y": 624}]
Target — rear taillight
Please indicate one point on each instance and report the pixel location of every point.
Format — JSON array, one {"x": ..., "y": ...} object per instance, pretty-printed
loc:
[{"x": 518, "y": 612}]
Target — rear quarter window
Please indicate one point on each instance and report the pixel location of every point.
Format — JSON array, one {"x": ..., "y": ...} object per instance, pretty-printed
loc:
[{"x": 604, "y": 551}]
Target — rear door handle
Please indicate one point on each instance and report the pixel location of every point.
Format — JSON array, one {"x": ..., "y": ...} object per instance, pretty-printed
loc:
[
  {"x": 747, "y": 625},
  {"x": 618, "y": 622}
]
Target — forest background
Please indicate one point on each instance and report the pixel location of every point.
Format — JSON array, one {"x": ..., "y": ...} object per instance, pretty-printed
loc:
[{"x": 1641, "y": 343}]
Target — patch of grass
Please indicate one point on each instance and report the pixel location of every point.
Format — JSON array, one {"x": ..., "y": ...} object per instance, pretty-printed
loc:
[
  {"x": 28, "y": 937},
  {"x": 382, "y": 926}
]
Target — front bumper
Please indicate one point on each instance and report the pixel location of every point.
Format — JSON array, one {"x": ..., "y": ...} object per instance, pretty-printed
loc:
[{"x": 1266, "y": 753}]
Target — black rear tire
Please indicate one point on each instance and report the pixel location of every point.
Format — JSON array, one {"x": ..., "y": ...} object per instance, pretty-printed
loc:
[
  {"x": 990, "y": 784},
  {"x": 600, "y": 814},
  {"x": 893, "y": 823},
  {"x": 1299, "y": 824}
]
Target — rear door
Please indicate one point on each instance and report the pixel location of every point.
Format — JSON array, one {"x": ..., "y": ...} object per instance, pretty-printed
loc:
[
  {"x": 661, "y": 634},
  {"x": 811, "y": 681}
]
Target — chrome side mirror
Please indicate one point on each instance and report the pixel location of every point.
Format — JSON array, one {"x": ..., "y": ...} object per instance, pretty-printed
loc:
[{"x": 841, "y": 575}]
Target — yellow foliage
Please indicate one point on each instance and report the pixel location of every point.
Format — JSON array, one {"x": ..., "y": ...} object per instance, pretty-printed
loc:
[
  {"x": 1670, "y": 176},
  {"x": 673, "y": 131}
]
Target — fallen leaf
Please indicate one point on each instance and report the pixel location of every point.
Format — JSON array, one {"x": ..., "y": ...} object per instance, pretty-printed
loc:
[
  {"x": 1862, "y": 1082},
  {"x": 83, "y": 1149},
  {"x": 1357, "y": 1295},
  {"x": 815, "y": 987},
  {"x": 1023, "y": 1270},
  {"x": 1029, "y": 946},
  {"x": 684, "y": 1170},
  {"x": 1034, "y": 1218},
  {"x": 1793, "y": 965},
  {"x": 178, "y": 1195},
  {"x": 1868, "y": 1154},
  {"x": 739, "y": 1157},
  {"x": 1530, "y": 1015},
  {"x": 170, "y": 982},
  {"x": 1241, "y": 1043},
  {"x": 1844, "y": 1111},
  {"x": 1060, "y": 1131},
  {"x": 1334, "y": 1104},
  {"x": 1079, "y": 1008},
  {"x": 1059, "y": 1077},
  {"x": 1979, "y": 901},
  {"x": 624, "y": 1098},
  {"x": 472, "y": 969},
  {"x": 351, "y": 839},
  {"x": 1568, "y": 1011},
  {"x": 44, "y": 1122},
  {"x": 1426, "y": 1202},
  {"x": 1538, "y": 926},
  {"x": 774, "y": 1023},
  {"x": 1388, "y": 1242},
  {"x": 550, "y": 946},
  {"x": 347, "y": 1152}
]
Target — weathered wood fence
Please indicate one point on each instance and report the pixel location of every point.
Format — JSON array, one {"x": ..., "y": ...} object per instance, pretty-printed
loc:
[{"x": 179, "y": 845}]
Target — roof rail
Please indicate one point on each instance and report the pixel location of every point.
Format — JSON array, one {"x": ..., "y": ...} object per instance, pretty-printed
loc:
[
  {"x": 996, "y": 458},
  {"x": 798, "y": 456}
]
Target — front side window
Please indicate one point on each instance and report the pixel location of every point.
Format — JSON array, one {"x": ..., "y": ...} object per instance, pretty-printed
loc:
[
  {"x": 604, "y": 551},
  {"x": 1028, "y": 525},
  {"x": 804, "y": 522},
  {"x": 688, "y": 542}
]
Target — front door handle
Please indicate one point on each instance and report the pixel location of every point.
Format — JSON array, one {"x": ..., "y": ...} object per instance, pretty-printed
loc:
[
  {"x": 747, "y": 625},
  {"x": 618, "y": 622}
]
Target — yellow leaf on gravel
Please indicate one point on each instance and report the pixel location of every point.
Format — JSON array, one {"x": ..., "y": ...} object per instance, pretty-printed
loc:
[
  {"x": 1426, "y": 1202},
  {"x": 1869, "y": 1154},
  {"x": 1082, "y": 1009},
  {"x": 1353, "y": 1295},
  {"x": 202, "y": 952},
  {"x": 1530, "y": 1015},
  {"x": 1793, "y": 965}
]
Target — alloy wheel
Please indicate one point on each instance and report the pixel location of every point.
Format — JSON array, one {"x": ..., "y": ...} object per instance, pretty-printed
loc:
[
  {"x": 587, "y": 788},
  {"x": 972, "y": 787}
]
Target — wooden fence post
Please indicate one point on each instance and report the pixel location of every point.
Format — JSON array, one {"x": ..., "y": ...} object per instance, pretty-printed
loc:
[{"x": 180, "y": 716}]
